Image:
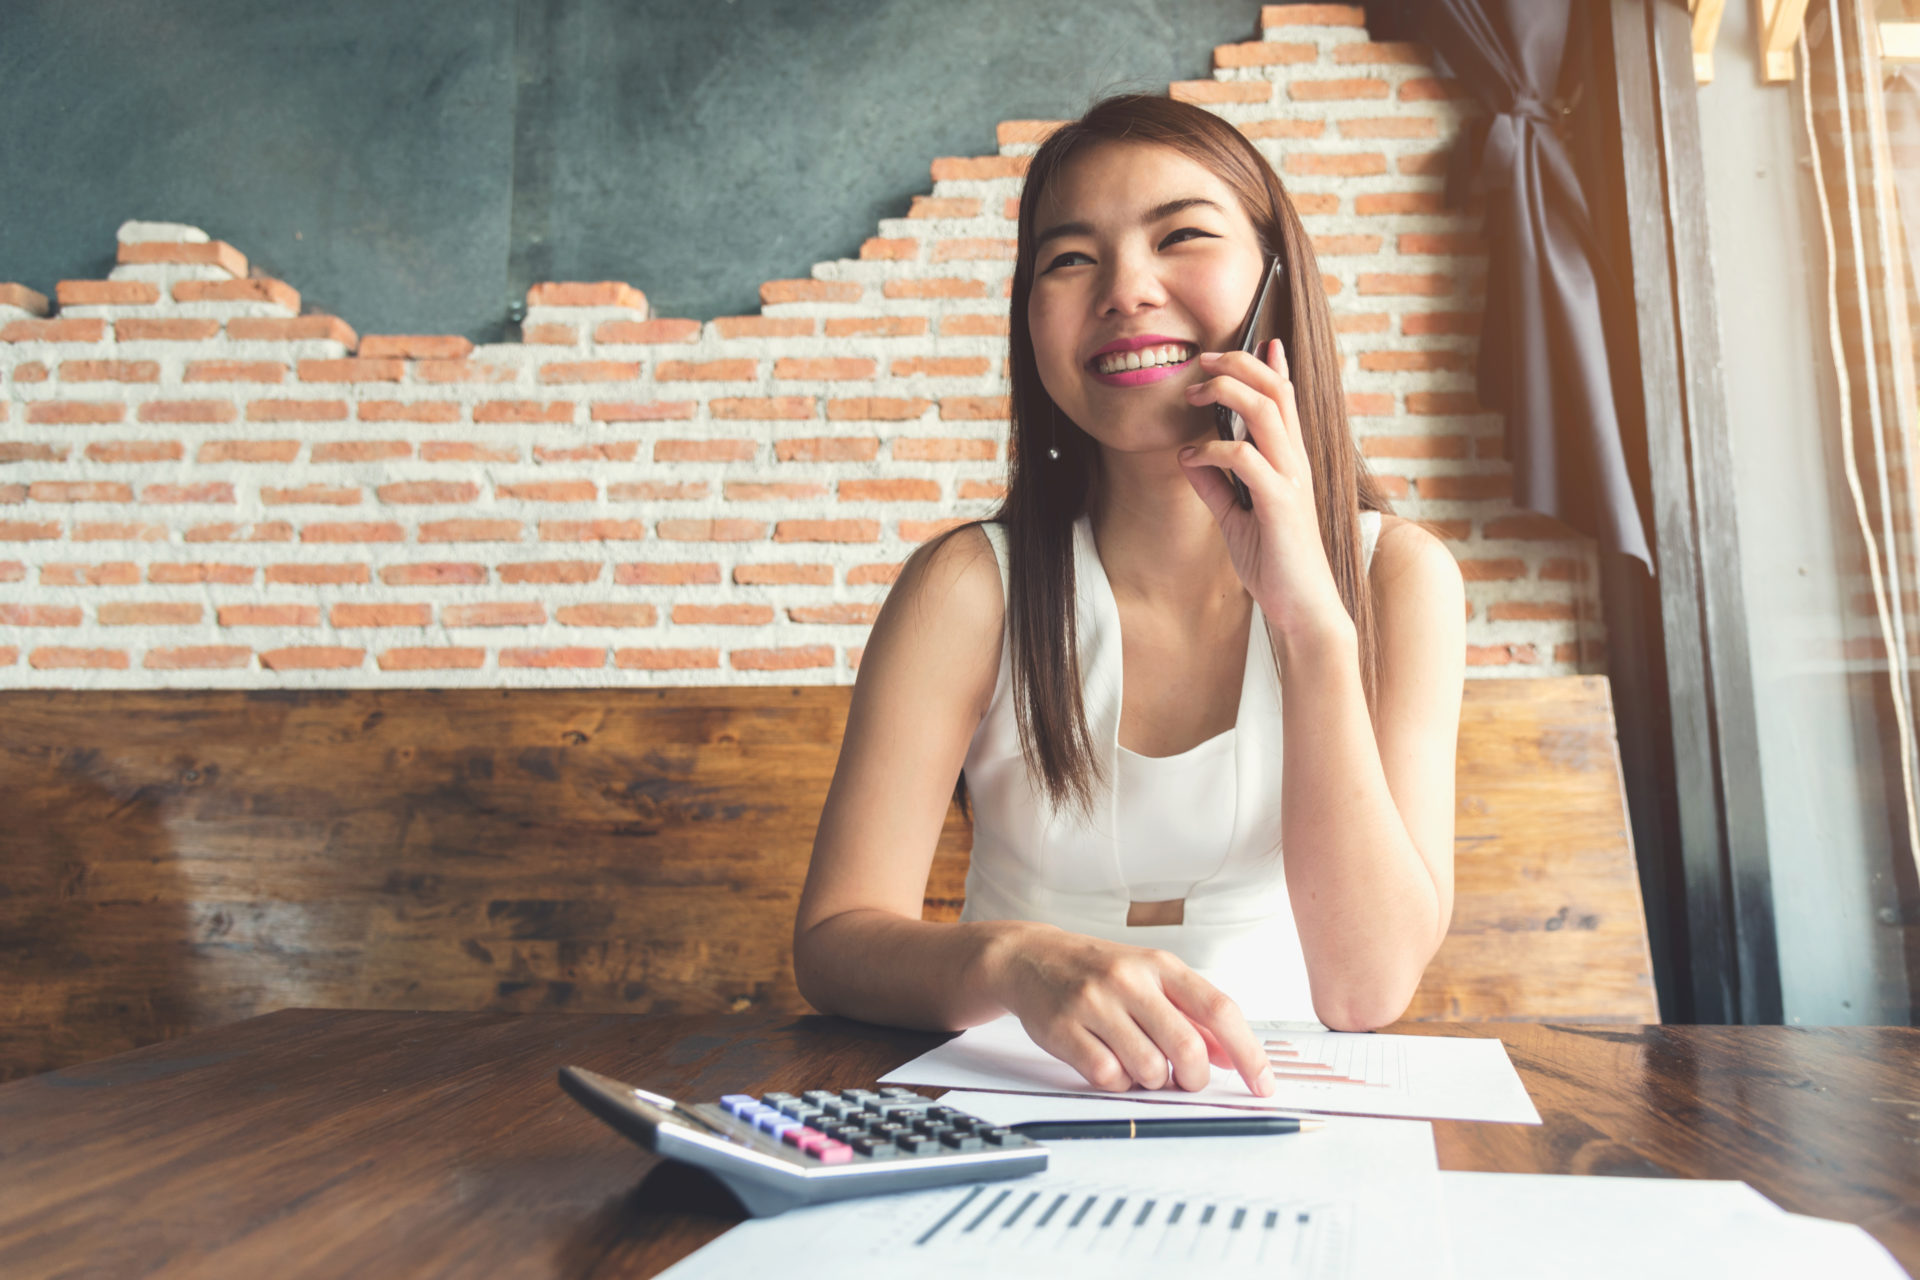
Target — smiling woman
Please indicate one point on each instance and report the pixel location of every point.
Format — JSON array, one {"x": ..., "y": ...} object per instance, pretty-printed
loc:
[{"x": 1103, "y": 662}]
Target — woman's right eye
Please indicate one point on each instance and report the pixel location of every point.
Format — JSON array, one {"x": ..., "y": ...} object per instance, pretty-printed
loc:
[{"x": 1061, "y": 261}]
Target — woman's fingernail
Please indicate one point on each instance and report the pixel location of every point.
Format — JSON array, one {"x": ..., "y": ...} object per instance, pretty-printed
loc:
[
  {"x": 1207, "y": 357},
  {"x": 1188, "y": 452}
]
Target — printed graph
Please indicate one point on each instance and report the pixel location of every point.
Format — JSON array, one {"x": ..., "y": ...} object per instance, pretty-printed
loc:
[{"x": 1340, "y": 1063}]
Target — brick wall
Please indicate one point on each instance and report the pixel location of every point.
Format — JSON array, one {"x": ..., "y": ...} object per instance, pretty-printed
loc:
[{"x": 200, "y": 486}]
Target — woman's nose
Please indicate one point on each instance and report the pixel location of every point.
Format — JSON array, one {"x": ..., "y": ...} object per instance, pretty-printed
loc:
[{"x": 1131, "y": 285}]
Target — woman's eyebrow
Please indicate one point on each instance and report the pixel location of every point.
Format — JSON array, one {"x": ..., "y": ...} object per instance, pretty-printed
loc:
[{"x": 1154, "y": 214}]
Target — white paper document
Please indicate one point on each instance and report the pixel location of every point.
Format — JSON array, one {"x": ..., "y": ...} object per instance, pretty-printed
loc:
[
  {"x": 1429, "y": 1077},
  {"x": 1528, "y": 1226},
  {"x": 1225, "y": 1208}
]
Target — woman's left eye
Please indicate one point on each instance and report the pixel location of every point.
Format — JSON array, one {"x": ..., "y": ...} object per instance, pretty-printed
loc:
[{"x": 1177, "y": 236}]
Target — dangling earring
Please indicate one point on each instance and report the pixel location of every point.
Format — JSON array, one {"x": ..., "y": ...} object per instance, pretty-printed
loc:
[{"x": 1053, "y": 432}]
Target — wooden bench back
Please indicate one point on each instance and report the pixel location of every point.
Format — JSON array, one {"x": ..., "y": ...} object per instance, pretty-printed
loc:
[{"x": 174, "y": 860}]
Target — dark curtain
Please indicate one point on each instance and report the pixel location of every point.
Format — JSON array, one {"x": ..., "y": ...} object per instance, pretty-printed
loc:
[{"x": 1543, "y": 351}]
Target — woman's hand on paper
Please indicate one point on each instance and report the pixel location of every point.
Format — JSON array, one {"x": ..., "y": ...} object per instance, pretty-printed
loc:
[
  {"x": 1123, "y": 1016},
  {"x": 1275, "y": 547}
]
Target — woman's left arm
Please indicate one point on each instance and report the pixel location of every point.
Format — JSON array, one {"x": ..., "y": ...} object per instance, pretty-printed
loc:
[{"x": 1366, "y": 798}]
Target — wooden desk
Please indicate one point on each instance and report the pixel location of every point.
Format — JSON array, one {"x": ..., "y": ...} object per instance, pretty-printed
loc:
[{"x": 324, "y": 1143}]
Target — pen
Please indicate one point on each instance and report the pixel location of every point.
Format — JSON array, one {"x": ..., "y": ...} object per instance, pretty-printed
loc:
[{"x": 1222, "y": 1127}]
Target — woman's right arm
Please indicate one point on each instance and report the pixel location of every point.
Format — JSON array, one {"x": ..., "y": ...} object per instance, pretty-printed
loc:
[
  {"x": 926, "y": 678},
  {"x": 1118, "y": 1014}
]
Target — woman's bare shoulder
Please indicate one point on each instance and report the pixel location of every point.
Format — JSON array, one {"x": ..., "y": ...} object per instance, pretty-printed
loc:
[
  {"x": 941, "y": 627},
  {"x": 1414, "y": 575}
]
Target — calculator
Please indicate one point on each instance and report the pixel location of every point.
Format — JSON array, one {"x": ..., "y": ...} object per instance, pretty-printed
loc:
[{"x": 782, "y": 1150}]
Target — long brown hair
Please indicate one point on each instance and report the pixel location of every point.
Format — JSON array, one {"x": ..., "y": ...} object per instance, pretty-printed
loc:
[{"x": 1045, "y": 496}]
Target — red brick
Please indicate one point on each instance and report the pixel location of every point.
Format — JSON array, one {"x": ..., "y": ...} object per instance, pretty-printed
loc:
[
  {"x": 1336, "y": 90},
  {"x": 352, "y": 531},
  {"x": 591, "y": 371},
  {"x": 297, "y": 410},
  {"x": 764, "y": 408},
  {"x": 648, "y": 411},
  {"x": 32, "y": 371},
  {"x": 1451, "y": 530},
  {"x": 39, "y": 615},
  {"x": 433, "y": 574},
  {"x": 449, "y": 658},
  {"x": 876, "y": 409},
  {"x": 312, "y": 657},
  {"x": 606, "y": 451},
  {"x": 956, "y": 208},
  {"x": 247, "y": 451},
  {"x": 169, "y": 494},
  {"x": 607, "y": 615},
  {"x": 23, "y": 298},
  {"x": 1263, "y": 53},
  {"x": 816, "y": 655},
  {"x": 937, "y": 287},
  {"x": 451, "y": 371},
  {"x": 135, "y": 451},
  {"x": 31, "y": 451},
  {"x": 827, "y": 531},
  {"x": 12, "y": 494},
  {"x": 876, "y": 326},
  {"x": 516, "y": 613},
  {"x": 84, "y": 330},
  {"x": 465, "y": 451},
  {"x": 838, "y": 369},
  {"x": 1290, "y": 128},
  {"x": 975, "y": 249},
  {"x": 771, "y": 575},
  {"x": 252, "y": 289},
  {"x": 1422, "y": 323},
  {"x": 922, "y": 530},
  {"x": 109, "y": 371},
  {"x": 549, "y": 335},
  {"x": 653, "y": 574},
  {"x": 596, "y": 293},
  {"x": 835, "y": 614},
  {"x": 199, "y": 657},
  {"x": 61, "y": 658},
  {"x": 706, "y": 371},
  {"x": 118, "y": 573},
  {"x": 313, "y": 495},
  {"x": 315, "y": 575},
  {"x": 106, "y": 293},
  {"x": 1503, "y": 569},
  {"x": 428, "y": 491},
  {"x": 361, "y": 450},
  {"x": 649, "y": 332},
  {"x": 1418, "y": 361},
  {"x": 774, "y": 292},
  {"x": 828, "y": 449},
  {"x": 80, "y": 491},
  {"x": 1309, "y": 203},
  {"x": 470, "y": 531},
  {"x": 874, "y": 248},
  {"x": 1430, "y": 89},
  {"x": 711, "y": 530},
  {"x": 1312, "y": 15},
  {"x": 990, "y": 489},
  {"x": 548, "y": 491},
  {"x": 1388, "y": 202},
  {"x": 979, "y": 168},
  {"x": 1401, "y": 126},
  {"x": 731, "y": 450},
  {"x": 658, "y": 491},
  {"x": 1382, "y": 53},
  {"x": 167, "y": 614},
  {"x": 236, "y": 371},
  {"x": 560, "y": 411},
  {"x": 224, "y": 531},
  {"x": 415, "y": 346},
  {"x": 1420, "y": 446},
  {"x": 1562, "y": 569},
  {"x": 1443, "y": 403},
  {"x": 1455, "y": 243},
  {"x": 574, "y": 657},
  {"x": 184, "y": 574},
  {"x": 269, "y": 615},
  {"x": 1341, "y": 246},
  {"x": 799, "y": 491},
  {"x": 1207, "y": 91},
  {"x": 921, "y": 449},
  {"x": 666, "y": 659},
  {"x": 1500, "y": 655},
  {"x": 976, "y": 408},
  {"x": 216, "y": 253},
  {"x": 1404, "y": 284},
  {"x": 1346, "y": 164},
  {"x": 187, "y": 411},
  {"x": 75, "y": 412},
  {"x": 766, "y": 326},
  {"x": 1369, "y": 404},
  {"x": 273, "y": 329},
  {"x": 889, "y": 491},
  {"x": 1423, "y": 164},
  {"x": 592, "y": 530},
  {"x": 551, "y": 571},
  {"x": 872, "y": 574},
  {"x": 352, "y": 369},
  {"x": 722, "y": 615},
  {"x": 1530, "y": 611},
  {"x": 1465, "y": 488}
]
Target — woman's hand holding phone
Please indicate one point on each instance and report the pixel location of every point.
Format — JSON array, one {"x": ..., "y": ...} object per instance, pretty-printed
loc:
[
  {"x": 1122, "y": 1015},
  {"x": 1276, "y": 546}
]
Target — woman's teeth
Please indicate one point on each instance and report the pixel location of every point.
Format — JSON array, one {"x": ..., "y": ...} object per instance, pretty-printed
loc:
[{"x": 1144, "y": 358}]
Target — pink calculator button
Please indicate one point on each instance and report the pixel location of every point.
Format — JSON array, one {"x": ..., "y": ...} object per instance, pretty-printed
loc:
[
  {"x": 811, "y": 1140},
  {"x": 832, "y": 1152}
]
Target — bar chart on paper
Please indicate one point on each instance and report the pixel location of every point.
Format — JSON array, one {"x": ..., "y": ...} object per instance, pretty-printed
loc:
[{"x": 1342, "y": 1064}]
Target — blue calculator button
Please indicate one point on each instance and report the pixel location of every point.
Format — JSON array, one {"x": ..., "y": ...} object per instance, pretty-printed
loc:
[{"x": 738, "y": 1103}]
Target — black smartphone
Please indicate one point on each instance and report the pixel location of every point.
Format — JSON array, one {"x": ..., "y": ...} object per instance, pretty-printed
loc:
[{"x": 1229, "y": 424}]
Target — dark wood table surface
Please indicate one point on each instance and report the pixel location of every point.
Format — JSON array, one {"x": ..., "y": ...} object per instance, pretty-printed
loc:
[{"x": 331, "y": 1143}]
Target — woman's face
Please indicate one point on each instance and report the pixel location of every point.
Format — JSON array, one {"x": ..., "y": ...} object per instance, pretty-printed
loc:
[{"x": 1144, "y": 260}]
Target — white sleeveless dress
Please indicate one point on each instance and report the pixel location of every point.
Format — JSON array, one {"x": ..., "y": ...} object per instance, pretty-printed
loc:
[{"x": 1203, "y": 825}]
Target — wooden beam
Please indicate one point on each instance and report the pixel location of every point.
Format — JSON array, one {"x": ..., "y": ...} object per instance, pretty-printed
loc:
[
  {"x": 1900, "y": 42},
  {"x": 1779, "y": 27},
  {"x": 1706, "y": 30}
]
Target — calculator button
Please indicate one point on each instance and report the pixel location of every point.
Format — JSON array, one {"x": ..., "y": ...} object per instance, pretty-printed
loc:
[
  {"x": 873, "y": 1147},
  {"x": 775, "y": 1099},
  {"x": 957, "y": 1141},
  {"x": 912, "y": 1143},
  {"x": 819, "y": 1096},
  {"x": 861, "y": 1096},
  {"x": 997, "y": 1137},
  {"x": 834, "y": 1153},
  {"x": 895, "y": 1091},
  {"x": 735, "y": 1103}
]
